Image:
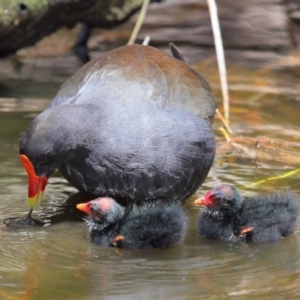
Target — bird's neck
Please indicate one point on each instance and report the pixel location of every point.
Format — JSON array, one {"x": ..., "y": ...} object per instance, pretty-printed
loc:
[
  {"x": 78, "y": 125},
  {"x": 116, "y": 214}
]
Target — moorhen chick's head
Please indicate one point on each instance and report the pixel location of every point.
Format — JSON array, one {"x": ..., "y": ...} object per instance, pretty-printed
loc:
[
  {"x": 103, "y": 212},
  {"x": 222, "y": 201}
]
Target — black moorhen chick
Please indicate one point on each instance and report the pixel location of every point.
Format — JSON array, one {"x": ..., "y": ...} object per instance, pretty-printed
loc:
[
  {"x": 142, "y": 228},
  {"x": 134, "y": 125},
  {"x": 230, "y": 217}
]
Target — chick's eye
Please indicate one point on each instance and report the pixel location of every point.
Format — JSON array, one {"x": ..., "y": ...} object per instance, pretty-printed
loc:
[{"x": 217, "y": 199}]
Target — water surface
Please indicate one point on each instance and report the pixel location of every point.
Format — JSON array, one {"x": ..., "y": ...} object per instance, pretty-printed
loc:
[{"x": 58, "y": 261}]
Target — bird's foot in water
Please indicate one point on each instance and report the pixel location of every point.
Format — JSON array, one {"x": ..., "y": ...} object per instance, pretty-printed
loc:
[
  {"x": 31, "y": 221},
  {"x": 116, "y": 240}
]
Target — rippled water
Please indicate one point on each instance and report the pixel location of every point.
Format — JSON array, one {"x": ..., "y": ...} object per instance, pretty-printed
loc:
[{"x": 58, "y": 261}]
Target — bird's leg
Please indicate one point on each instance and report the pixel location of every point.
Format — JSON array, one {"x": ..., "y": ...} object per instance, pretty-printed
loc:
[
  {"x": 118, "y": 251},
  {"x": 114, "y": 241},
  {"x": 244, "y": 230},
  {"x": 31, "y": 221}
]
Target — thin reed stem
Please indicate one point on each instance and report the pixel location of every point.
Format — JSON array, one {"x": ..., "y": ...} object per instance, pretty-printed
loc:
[{"x": 220, "y": 55}]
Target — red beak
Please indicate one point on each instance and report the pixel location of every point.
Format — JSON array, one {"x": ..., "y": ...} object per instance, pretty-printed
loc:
[
  {"x": 36, "y": 184},
  {"x": 83, "y": 207}
]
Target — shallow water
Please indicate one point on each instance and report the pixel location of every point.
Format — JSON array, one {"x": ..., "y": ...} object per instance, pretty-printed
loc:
[{"x": 58, "y": 261}]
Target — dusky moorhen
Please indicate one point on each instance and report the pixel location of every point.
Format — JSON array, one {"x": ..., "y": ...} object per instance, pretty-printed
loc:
[
  {"x": 134, "y": 125},
  {"x": 264, "y": 218},
  {"x": 145, "y": 227}
]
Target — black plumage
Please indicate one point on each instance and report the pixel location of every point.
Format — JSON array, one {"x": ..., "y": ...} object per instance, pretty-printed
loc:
[
  {"x": 263, "y": 218},
  {"x": 134, "y": 125},
  {"x": 141, "y": 228}
]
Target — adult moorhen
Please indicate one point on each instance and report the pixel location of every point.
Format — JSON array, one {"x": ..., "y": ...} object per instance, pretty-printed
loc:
[
  {"x": 145, "y": 227},
  {"x": 263, "y": 218},
  {"x": 134, "y": 125}
]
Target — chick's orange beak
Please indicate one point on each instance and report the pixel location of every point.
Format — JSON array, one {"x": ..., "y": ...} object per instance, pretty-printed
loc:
[
  {"x": 199, "y": 201},
  {"x": 36, "y": 184},
  {"x": 83, "y": 207}
]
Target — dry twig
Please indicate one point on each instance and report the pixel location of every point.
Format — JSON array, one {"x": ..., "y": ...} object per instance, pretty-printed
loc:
[{"x": 139, "y": 23}]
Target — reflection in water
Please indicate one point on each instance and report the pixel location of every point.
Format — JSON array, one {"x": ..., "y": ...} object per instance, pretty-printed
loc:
[{"x": 58, "y": 261}]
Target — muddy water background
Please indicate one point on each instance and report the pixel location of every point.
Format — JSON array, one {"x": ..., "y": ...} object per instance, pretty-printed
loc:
[{"x": 58, "y": 261}]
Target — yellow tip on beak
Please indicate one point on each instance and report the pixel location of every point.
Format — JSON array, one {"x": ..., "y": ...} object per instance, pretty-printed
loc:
[
  {"x": 80, "y": 206},
  {"x": 199, "y": 201},
  {"x": 83, "y": 207},
  {"x": 35, "y": 200}
]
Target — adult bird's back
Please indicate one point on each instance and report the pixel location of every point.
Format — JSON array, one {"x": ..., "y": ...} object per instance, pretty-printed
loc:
[{"x": 134, "y": 125}]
